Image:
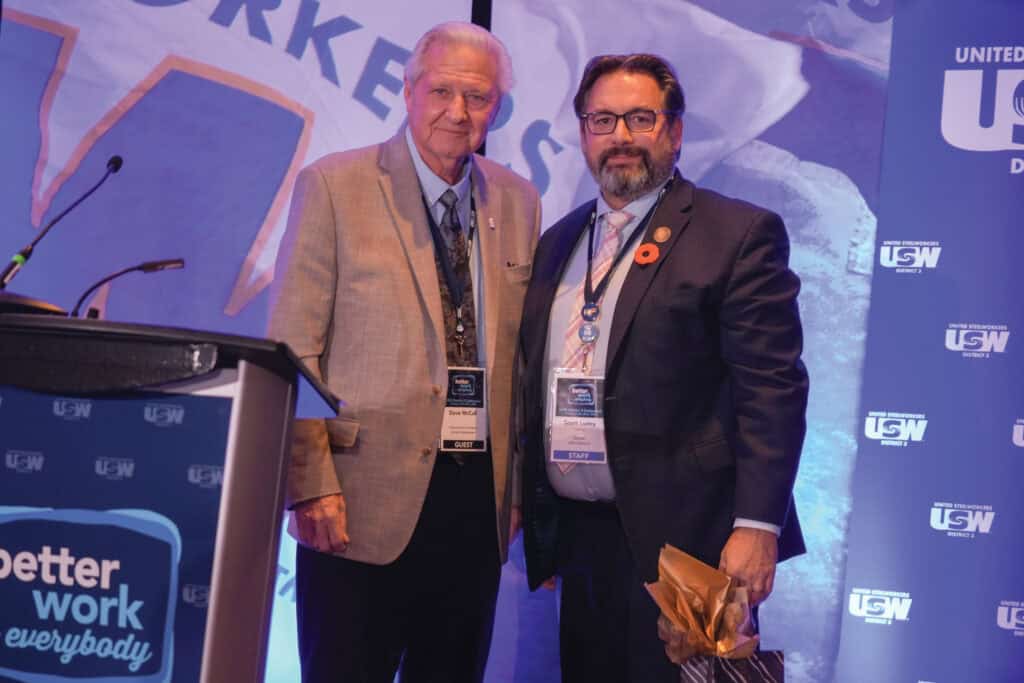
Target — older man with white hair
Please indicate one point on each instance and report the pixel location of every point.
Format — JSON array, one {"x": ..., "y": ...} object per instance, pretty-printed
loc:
[{"x": 400, "y": 283}]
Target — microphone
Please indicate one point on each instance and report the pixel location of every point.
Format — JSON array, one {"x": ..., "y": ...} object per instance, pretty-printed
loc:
[
  {"x": 114, "y": 164},
  {"x": 147, "y": 267}
]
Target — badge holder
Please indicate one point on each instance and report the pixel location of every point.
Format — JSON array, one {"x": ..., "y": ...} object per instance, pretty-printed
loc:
[
  {"x": 577, "y": 423},
  {"x": 464, "y": 427}
]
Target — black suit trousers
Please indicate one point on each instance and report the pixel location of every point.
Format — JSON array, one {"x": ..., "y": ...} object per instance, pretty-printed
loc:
[
  {"x": 430, "y": 612},
  {"x": 608, "y": 622}
]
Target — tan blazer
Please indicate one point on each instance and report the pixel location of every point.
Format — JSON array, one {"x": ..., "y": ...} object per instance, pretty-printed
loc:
[{"x": 356, "y": 296}]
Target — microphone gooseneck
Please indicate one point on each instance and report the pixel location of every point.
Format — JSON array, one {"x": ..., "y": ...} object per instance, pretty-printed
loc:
[
  {"x": 146, "y": 267},
  {"x": 21, "y": 258}
]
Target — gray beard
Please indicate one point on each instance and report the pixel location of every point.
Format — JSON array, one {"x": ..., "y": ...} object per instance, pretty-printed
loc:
[{"x": 627, "y": 185}]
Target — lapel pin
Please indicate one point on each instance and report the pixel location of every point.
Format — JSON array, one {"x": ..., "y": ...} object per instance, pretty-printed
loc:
[
  {"x": 646, "y": 253},
  {"x": 662, "y": 234},
  {"x": 490, "y": 222}
]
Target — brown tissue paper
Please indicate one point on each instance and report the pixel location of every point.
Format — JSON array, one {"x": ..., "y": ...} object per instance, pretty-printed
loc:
[{"x": 705, "y": 604}]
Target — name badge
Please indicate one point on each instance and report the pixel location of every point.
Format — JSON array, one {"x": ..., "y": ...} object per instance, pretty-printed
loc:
[
  {"x": 577, "y": 424},
  {"x": 464, "y": 427}
]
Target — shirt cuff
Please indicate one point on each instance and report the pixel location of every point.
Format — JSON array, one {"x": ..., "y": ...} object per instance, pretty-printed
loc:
[{"x": 753, "y": 524}]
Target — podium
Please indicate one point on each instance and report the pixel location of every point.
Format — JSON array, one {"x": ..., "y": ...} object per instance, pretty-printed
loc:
[{"x": 140, "y": 498}]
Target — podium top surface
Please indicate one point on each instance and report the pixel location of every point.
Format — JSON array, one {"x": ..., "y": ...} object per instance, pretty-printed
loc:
[
  {"x": 72, "y": 355},
  {"x": 17, "y": 303}
]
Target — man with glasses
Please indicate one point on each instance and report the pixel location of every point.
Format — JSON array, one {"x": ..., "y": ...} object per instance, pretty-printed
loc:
[{"x": 662, "y": 391}]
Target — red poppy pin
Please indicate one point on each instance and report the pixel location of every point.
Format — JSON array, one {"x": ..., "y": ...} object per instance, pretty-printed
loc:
[{"x": 646, "y": 253}]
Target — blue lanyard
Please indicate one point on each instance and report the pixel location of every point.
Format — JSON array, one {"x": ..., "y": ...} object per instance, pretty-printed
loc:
[{"x": 592, "y": 295}]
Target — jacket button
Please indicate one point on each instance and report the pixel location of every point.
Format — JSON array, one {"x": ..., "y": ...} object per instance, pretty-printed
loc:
[
  {"x": 427, "y": 450},
  {"x": 436, "y": 389}
]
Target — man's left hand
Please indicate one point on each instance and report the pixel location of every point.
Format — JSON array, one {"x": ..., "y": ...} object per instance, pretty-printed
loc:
[{"x": 750, "y": 555}]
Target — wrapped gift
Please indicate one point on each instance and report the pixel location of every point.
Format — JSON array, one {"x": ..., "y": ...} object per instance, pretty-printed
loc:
[{"x": 764, "y": 666}]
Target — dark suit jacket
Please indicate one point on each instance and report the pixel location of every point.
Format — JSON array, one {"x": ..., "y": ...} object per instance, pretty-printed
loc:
[{"x": 705, "y": 392}]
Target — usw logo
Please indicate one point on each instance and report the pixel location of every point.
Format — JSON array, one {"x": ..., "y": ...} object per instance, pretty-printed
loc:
[
  {"x": 969, "y": 521},
  {"x": 164, "y": 414},
  {"x": 24, "y": 462},
  {"x": 982, "y": 341},
  {"x": 880, "y": 608},
  {"x": 893, "y": 256},
  {"x": 114, "y": 469},
  {"x": 206, "y": 476},
  {"x": 962, "y": 100},
  {"x": 197, "y": 595},
  {"x": 1010, "y": 616},
  {"x": 904, "y": 429},
  {"x": 72, "y": 408}
]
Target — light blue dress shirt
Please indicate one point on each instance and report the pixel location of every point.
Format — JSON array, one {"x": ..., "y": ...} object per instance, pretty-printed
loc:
[{"x": 592, "y": 482}]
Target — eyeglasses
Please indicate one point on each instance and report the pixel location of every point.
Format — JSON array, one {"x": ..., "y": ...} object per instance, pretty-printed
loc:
[{"x": 637, "y": 120}]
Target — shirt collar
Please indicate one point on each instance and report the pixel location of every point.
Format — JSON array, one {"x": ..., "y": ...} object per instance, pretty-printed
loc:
[
  {"x": 638, "y": 207},
  {"x": 432, "y": 185}
]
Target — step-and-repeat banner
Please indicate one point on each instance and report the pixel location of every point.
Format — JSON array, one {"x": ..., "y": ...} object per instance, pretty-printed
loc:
[
  {"x": 934, "y": 587},
  {"x": 215, "y": 105}
]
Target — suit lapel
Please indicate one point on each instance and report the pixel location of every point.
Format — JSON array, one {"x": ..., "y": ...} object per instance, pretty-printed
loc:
[
  {"x": 488, "y": 223},
  {"x": 673, "y": 213},
  {"x": 403, "y": 195}
]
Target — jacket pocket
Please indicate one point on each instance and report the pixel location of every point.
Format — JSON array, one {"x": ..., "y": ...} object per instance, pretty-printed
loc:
[
  {"x": 713, "y": 455},
  {"x": 342, "y": 432},
  {"x": 518, "y": 272}
]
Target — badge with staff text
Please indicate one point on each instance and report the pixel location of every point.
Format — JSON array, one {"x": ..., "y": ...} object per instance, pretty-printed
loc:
[
  {"x": 577, "y": 426},
  {"x": 464, "y": 428}
]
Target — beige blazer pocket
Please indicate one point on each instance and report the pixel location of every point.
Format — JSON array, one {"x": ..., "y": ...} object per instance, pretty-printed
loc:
[
  {"x": 518, "y": 272},
  {"x": 342, "y": 432}
]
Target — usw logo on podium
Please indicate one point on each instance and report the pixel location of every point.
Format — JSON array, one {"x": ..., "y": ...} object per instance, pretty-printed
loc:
[{"x": 24, "y": 462}]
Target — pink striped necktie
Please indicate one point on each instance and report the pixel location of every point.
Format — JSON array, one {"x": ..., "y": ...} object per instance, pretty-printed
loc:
[
  {"x": 611, "y": 240},
  {"x": 604, "y": 257}
]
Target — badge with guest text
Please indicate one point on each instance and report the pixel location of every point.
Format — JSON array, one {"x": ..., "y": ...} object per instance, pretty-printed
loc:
[
  {"x": 464, "y": 428},
  {"x": 577, "y": 424}
]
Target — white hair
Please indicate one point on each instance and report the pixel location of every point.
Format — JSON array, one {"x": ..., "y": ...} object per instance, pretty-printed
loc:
[{"x": 462, "y": 33}]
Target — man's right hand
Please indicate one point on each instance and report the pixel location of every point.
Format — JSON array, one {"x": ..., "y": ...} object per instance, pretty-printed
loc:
[{"x": 322, "y": 523}]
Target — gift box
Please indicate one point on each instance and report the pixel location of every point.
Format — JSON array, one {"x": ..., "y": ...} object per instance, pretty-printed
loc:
[{"x": 764, "y": 666}]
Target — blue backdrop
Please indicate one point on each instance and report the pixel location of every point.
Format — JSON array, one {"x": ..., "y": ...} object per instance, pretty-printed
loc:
[{"x": 933, "y": 581}]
